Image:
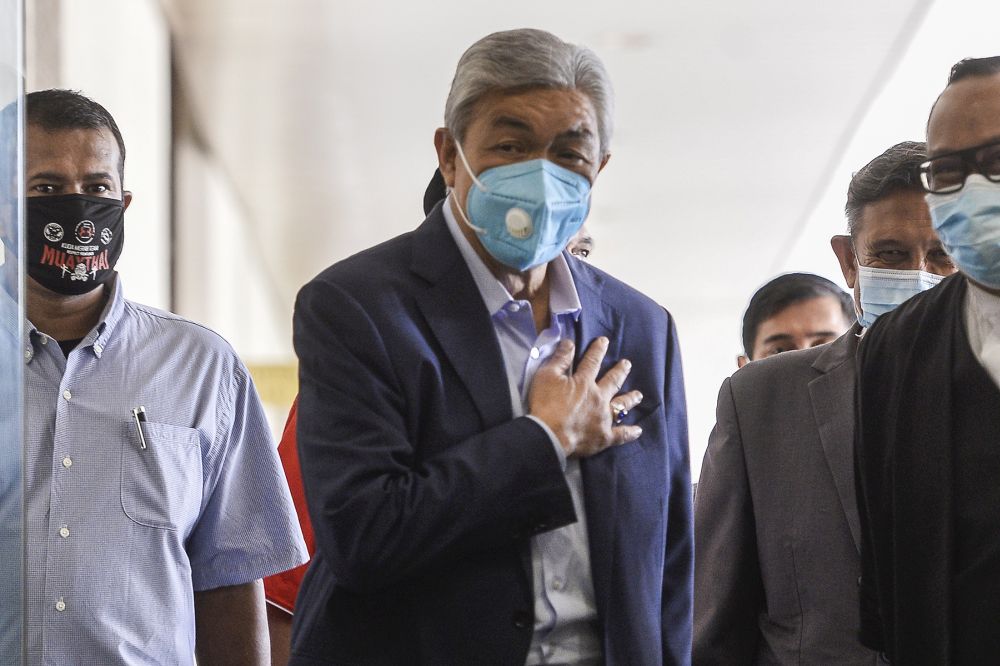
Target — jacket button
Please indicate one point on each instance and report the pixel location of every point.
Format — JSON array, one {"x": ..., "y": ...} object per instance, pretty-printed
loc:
[
  {"x": 522, "y": 619},
  {"x": 883, "y": 657},
  {"x": 859, "y": 581}
]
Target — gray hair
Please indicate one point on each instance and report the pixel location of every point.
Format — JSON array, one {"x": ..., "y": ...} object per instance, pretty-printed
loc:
[
  {"x": 895, "y": 169},
  {"x": 524, "y": 59}
]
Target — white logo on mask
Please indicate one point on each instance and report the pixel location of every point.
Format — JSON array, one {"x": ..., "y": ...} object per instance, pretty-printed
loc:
[
  {"x": 85, "y": 232},
  {"x": 53, "y": 232}
]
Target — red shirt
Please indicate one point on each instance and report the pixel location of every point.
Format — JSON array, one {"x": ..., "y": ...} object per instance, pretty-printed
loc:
[{"x": 281, "y": 589}]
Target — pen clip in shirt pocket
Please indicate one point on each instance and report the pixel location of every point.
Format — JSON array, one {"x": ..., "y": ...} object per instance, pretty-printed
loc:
[{"x": 161, "y": 484}]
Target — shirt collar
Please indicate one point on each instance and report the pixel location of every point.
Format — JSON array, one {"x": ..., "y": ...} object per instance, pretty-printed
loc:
[
  {"x": 985, "y": 308},
  {"x": 112, "y": 315},
  {"x": 563, "y": 296},
  {"x": 106, "y": 324}
]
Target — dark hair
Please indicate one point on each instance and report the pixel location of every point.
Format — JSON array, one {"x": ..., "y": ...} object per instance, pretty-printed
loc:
[
  {"x": 967, "y": 67},
  {"x": 784, "y": 291},
  {"x": 55, "y": 109},
  {"x": 893, "y": 170}
]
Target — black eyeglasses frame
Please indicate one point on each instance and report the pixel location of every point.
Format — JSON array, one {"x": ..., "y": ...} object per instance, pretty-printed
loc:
[{"x": 970, "y": 160}]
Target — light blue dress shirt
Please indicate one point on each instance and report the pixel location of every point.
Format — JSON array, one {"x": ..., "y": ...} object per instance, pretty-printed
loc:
[
  {"x": 567, "y": 630},
  {"x": 11, "y": 517},
  {"x": 119, "y": 537}
]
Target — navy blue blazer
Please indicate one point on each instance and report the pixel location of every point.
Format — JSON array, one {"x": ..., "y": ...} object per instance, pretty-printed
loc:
[{"x": 424, "y": 491}]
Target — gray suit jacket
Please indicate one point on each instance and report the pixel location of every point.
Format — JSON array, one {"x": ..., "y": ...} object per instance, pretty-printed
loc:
[{"x": 776, "y": 519}]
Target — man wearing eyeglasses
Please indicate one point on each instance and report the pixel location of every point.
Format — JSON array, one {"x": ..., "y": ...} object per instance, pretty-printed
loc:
[{"x": 927, "y": 456}]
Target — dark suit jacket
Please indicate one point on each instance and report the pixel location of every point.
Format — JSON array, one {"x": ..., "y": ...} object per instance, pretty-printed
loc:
[
  {"x": 904, "y": 470},
  {"x": 424, "y": 491},
  {"x": 776, "y": 525}
]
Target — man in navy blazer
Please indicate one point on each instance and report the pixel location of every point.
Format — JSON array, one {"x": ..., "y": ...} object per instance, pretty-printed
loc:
[{"x": 493, "y": 434}]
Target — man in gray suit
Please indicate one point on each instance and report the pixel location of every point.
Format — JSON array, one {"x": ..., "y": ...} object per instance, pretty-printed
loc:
[{"x": 776, "y": 524}]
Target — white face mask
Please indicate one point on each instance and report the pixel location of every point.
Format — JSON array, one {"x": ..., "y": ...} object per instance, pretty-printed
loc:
[{"x": 882, "y": 289}]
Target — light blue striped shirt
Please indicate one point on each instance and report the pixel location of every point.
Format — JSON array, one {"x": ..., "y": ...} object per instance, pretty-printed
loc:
[
  {"x": 567, "y": 630},
  {"x": 11, "y": 427},
  {"x": 119, "y": 537}
]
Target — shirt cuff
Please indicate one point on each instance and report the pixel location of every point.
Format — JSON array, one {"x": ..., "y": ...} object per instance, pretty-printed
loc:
[{"x": 552, "y": 437}]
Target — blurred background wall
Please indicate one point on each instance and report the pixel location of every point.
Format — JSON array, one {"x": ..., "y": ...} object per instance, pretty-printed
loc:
[{"x": 269, "y": 139}]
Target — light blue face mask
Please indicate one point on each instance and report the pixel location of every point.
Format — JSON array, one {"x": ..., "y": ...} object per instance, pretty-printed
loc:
[
  {"x": 883, "y": 289},
  {"x": 525, "y": 213},
  {"x": 968, "y": 224}
]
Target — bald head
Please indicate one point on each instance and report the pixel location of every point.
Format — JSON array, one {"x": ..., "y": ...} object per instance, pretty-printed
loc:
[{"x": 967, "y": 113}]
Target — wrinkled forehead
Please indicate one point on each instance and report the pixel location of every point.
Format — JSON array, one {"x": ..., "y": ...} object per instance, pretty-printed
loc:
[
  {"x": 901, "y": 216},
  {"x": 567, "y": 108},
  {"x": 966, "y": 114}
]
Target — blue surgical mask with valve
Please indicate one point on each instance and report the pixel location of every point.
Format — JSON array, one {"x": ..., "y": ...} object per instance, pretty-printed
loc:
[
  {"x": 525, "y": 213},
  {"x": 968, "y": 224},
  {"x": 883, "y": 289}
]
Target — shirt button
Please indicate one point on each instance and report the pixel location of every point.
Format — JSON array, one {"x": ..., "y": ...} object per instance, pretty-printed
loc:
[
  {"x": 60, "y": 605},
  {"x": 67, "y": 394},
  {"x": 535, "y": 353},
  {"x": 558, "y": 584},
  {"x": 27, "y": 354},
  {"x": 98, "y": 349},
  {"x": 67, "y": 462},
  {"x": 64, "y": 531},
  {"x": 513, "y": 307},
  {"x": 44, "y": 339}
]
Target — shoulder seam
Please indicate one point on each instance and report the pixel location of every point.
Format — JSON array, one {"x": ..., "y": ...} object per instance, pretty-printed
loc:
[{"x": 173, "y": 317}]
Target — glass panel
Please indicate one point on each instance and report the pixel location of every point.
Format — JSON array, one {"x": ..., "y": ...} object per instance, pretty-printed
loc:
[{"x": 11, "y": 311}]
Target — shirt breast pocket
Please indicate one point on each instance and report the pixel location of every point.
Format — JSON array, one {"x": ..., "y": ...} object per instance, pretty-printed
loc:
[
  {"x": 161, "y": 484},
  {"x": 644, "y": 415}
]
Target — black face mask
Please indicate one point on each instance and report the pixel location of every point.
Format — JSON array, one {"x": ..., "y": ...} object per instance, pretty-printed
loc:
[{"x": 74, "y": 241}]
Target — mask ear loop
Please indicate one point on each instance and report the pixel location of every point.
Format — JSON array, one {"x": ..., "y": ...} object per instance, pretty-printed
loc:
[
  {"x": 461, "y": 154},
  {"x": 475, "y": 180}
]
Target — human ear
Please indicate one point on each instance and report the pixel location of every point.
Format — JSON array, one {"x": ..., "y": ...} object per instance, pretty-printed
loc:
[
  {"x": 843, "y": 247},
  {"x": 444, "y": 144},
  {"x": 604, "y": 162}
]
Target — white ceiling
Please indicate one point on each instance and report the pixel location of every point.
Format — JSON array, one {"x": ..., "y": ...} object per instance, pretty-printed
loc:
[{"x": 730, "y": 117}]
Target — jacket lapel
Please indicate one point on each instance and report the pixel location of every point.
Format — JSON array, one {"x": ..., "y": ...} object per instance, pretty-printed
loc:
[
  {"x": 456, "y": 314},
  {"x": 600, "y": 479},
  {"x": 832, "y": 395}
]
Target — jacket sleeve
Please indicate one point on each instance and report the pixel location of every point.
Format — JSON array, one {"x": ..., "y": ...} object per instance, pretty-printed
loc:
[
  {"x": 679, "y": 559},
  {"x": 728, "y": 587},
  {"x": 381, "y": 509}
]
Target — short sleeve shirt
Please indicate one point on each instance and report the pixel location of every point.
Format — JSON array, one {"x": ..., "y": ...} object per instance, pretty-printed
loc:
[{"x": 119, "y": 537}]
